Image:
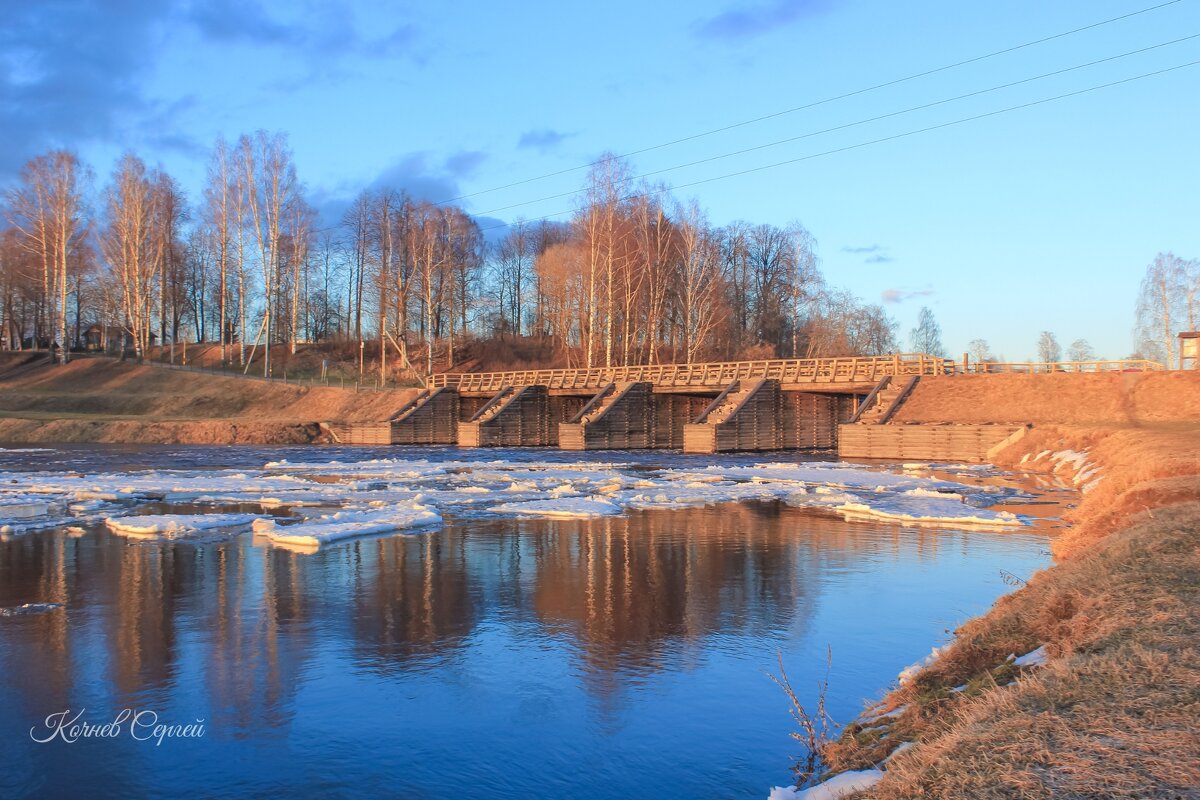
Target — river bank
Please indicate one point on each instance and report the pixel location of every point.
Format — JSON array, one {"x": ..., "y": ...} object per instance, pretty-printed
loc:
[
  {"x": 104, "y": 400},
  {"x": 1112, "y": 710}
]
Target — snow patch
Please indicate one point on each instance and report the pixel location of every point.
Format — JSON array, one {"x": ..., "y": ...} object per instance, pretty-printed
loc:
[
  {"x": 1034, "y": 658},
  {"x": 912, "y": 670},
  {"x": 840, "y": 785}
]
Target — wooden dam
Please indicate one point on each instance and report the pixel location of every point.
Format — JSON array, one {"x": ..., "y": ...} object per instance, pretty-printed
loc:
[{"x": 789, "y": 404}]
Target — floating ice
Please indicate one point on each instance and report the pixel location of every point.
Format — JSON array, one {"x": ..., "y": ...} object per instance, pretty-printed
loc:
[
  {"x": 29, "y": 608},
  {"x": 176, "y": 524},
  {"x": 566, "y": 507},
  {"x": 347, "y": 525},
  {"x": 313, "y": 489}
]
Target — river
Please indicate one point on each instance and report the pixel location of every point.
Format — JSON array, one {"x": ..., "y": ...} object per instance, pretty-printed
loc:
[{"x": 491, "y": 655}]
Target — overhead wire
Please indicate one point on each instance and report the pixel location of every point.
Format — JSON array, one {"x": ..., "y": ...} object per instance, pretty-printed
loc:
[
  {"x": 872, "y": 142},
  {"x": 821, "y": 102}
]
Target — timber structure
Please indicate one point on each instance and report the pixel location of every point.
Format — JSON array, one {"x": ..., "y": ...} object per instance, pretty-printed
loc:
[{"x": 844, "y": 404}]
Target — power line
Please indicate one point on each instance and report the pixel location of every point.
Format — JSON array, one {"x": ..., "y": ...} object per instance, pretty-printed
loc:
[
  {"x": 881, "y": 140},
  {"x": 856, "y": 123},
  {"x": 821, "y": 102}
]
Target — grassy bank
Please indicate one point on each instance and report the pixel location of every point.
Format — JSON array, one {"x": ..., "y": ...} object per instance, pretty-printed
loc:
[
  {"x": 1115, "y": 711},
  {"x": 104, "y": 400}
]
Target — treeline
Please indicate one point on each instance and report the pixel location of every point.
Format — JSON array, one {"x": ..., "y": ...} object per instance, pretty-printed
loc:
[{"x": 633, "y": 277}]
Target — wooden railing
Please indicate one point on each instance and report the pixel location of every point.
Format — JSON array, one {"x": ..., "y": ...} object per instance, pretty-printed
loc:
[
  {"x": 1126, "y": 365},
  {"x": 851, "y": 369}
]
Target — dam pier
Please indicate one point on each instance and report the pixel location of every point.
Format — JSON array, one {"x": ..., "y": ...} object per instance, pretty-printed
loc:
[{"x": 825, "y": 404}]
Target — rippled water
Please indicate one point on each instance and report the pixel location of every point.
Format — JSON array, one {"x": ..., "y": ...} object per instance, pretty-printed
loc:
[{"x": 506, "y": 658}]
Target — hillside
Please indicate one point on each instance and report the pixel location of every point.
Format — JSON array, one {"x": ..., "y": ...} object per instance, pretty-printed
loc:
[
  {"x": 93, "y": 399},
  {"x": 1109, "y": 399}
]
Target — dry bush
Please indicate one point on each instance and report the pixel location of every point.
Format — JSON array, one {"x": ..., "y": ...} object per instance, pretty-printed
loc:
[{"x": 814, "y": 727}]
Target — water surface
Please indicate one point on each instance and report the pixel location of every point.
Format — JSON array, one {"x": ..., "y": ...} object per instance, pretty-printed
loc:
[{"x": 609, "y": 658}]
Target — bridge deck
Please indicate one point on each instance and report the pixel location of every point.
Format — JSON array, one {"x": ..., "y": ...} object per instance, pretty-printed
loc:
[{"x": 705, "y": 378}]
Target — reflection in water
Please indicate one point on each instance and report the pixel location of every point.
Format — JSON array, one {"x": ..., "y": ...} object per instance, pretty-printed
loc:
[{"x": 636, "y": 641}]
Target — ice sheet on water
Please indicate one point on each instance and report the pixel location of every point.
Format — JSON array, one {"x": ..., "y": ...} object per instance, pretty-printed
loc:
[
  {"x": 563, "y": 508},
  {"x": 176, "y": 524},
  {"x": 348, "y": 524}
]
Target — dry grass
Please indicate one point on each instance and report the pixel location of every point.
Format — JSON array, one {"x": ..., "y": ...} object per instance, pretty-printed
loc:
[
  {"x": 1114, "y": 398},
  {"x": 107, "y": 401},
  {"x": 1116, "y": 712}
]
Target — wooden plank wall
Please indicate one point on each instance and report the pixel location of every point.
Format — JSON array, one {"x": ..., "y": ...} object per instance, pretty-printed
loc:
[
  {"x": 925, "y": 442},
  {"x": 361, "y": 433},
  {"x": 810, "y": 419},
  {"x": 671, "y": 413},
  {"x": 628, "y": 423},
  {"x": 434, "y": 421},
  {"x": 754, "y": 425},
  {"x": 523, "y": 422}
]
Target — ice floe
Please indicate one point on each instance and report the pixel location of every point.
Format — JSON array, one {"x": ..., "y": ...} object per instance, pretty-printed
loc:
[
  {"x": 176, "y": 524},
  {"x": 316, "y": 491},
  {"x": 29, "y": 608},
  {"x": 567, "y": 507},
  {"x": 347, "y": 525}
]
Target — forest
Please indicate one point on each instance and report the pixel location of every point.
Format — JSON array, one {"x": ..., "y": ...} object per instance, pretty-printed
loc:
[{"x": 633, "y": 276}]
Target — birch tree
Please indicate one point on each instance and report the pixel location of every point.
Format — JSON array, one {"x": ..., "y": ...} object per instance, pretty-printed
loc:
[
  {"x": 271, "y": 186},
  {"x": 1162, "y": 307},
  {"x": 46, "y": 207},
  {"x": 220, "y": 218},
  {"x": 699, "y": 281},
  {"x": 128, "y": 244}
]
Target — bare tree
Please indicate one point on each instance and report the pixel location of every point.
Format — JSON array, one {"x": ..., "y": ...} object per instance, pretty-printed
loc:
[
  {"x": 271, "y": 185},
  {"x": 128, "y": 244},
  {"x": 1164, "y": 304},
  {"x": 46, "y": 207},
  {"x": 1081, "y": 350},
  {"x": 219, "y": 218},
  {"x": 699, "y": 285},
  {"x": 1048, "y": 348},
  {"x": 927, "y": 336},
  {"x": 979, "y": 351}
]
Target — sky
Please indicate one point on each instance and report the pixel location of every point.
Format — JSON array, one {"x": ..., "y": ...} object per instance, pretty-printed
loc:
[{"x": 1031, "y": 219}]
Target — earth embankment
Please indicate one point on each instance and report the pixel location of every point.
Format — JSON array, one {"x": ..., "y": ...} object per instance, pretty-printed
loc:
[{"x": 104, "y": 400}]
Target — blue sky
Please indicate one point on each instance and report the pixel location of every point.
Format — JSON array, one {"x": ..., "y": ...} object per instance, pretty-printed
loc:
[{"x": 1041, "y": 218}]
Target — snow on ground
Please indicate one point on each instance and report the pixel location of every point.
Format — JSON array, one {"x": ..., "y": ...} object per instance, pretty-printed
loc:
[
  {"x": 317, "y": 490},
  {"x": 912, "y": 670},
  {"x": 839, "y": 785},
  {"x": 1035, "y": 658}
]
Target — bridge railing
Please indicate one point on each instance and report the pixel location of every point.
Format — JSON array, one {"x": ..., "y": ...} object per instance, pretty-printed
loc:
[
  {"x": 1036, "y": 367},
  {"x": 850, "y": 369}
]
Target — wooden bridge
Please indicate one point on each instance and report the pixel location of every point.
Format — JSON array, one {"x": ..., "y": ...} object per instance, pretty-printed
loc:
[
  {"x": 713, "y": 407},
  {"x": 847, "y": 374},
  {"x": 847, "y": 404}
]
